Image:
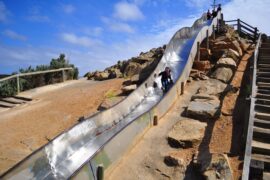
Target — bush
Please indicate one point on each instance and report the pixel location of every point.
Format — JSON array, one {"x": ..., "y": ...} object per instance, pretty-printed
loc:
[{"x": 9, "y": 87}]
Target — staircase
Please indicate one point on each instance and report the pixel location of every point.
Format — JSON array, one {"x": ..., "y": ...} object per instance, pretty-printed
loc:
[{"x": 259, "y": 141}]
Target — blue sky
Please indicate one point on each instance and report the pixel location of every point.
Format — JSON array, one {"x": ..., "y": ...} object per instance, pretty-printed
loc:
[{"x": 95, "y": 34}]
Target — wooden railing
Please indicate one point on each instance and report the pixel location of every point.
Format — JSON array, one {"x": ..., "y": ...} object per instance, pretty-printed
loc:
[
  {"x": 245, "y": 29},
  {"x": 17, "y": 76}
]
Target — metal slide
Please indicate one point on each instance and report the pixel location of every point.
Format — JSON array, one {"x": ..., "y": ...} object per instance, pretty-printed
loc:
[{"x": 104, "y": 137}]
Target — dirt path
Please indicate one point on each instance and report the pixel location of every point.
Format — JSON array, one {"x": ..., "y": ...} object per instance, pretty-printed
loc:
[
  {"x": 54, "y": 109},
  {"x": 146, "y": 159}
]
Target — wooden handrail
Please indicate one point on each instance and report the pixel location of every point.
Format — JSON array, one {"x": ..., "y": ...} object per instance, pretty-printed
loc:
[{"x": 33, "y": 73}]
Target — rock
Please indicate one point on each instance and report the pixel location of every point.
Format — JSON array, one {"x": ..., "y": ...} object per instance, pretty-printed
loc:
[
  {"x": 213, "y": 166},
  {"x": 135, "y": 78},
  {"x": 203, "y": 96},
  {"x": 129, "y": 88},
  {"x": 221, "y": 45},
  {"x": 204, "y": 109},
  {"x": 202, "y": 65},
  {"x": 225, "y": 62},
  {"x": 212, "y": 87},
  {"x": 223, "y": 74},
  {"x": 186, "y": 133},
  {"x": 217, "y": 53},
  {"x": 205, "y": 53},
  {"x": 100, "y": 76},
  {"x": 179, "y": 158},
  {"x": 244, "y": 44},
  {"x": 236, "y": 46},
  {"x": 133, "y": 68},
  {"x": 114, "y": 73},
  {"x": 230, "y": 53},
  {"x": 109, "y": 102},
  {"x": 223, "y": 38}
]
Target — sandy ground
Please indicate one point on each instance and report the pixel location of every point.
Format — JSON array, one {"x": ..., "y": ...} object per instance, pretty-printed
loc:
[
  {"x": 146, "y": 159},
  {"x": 54, "y": 109}
]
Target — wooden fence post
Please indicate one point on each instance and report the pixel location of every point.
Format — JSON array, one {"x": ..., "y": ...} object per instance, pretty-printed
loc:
[
  {"x": 207, "y": 39},
  {"x": 238, "y": 26},
  {"x": 214, "y": 35},
  {"x": 63, "y": 75},
  {"x": 255, "y": 34},
  {"x": 198, "y": 51},
  {"x": 18, "y": 83}
]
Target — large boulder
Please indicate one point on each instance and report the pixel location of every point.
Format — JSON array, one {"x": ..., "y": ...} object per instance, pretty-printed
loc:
[
  {"x": 226, "y": 62},
  {"x": 100, "y": 76},
  {"x": 204, "y": 108},
  {"x": 180, "y": 158},
  {"x": 223, "y": 74},
  {"x": 186, "y": 133},
  {"x": 230, "y": 53},
  {"x": 212, "y": 87}
]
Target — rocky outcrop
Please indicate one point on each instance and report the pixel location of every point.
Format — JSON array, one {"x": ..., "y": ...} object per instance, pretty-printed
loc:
[
  {"x": 204, "y": 107},
  {"x": 128, "y": 89},
  {"x": 202, "y": 65},
  {"x": 186, "y": 133},
  {"x": 140, "y": 66}
]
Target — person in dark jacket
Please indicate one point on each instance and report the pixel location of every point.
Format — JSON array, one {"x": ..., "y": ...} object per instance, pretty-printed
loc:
[
  {"x": 166, "y": 79},
  {"x": 214, "y": 13},
  {"x": 219, "y": 8},
  {"x": 208, "y": 14}
]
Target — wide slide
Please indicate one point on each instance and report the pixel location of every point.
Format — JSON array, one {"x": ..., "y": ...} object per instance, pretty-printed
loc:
[{"x": 101, "y": 140}]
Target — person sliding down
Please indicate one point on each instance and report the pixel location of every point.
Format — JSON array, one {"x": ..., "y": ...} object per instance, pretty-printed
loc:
[
  {"x": 166, "y": 79},
  {"x": 208, "y": 15}
]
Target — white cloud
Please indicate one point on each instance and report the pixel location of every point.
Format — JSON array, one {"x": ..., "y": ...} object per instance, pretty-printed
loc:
[
  {"x": 4, "y": 13},
  {"x": 68, "y": 8},
  {"x": 127, "y": 11},
  {"x": 36, "y": 16},
  {"x": 79, "y": 40},
  {"x": 14, "y": 35},
  {"x": 117, "y": 26},
  {"x": 255, "y": 13},
  {"x": 96, "y": 31}
]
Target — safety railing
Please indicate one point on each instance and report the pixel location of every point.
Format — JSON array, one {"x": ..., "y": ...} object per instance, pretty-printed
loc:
[
  {"x": 15, "y": 80},
  {"x": 248, "y": 148},
  {"x": 245, "y": 29}
]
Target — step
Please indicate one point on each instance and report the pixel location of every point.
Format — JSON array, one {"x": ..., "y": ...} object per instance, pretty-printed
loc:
[
  {"x": 262, "y": 101},
  {"x": 263, "y": 84},
  {"x": 263, "y": 90},
  {"x": 263, "y": 69},
  {"x": 263, "y": 65},
  {"x": 261, "y": 157},
  {"x": 260, "y": 147},
  {"x": 263, "y": 78},
  {"x": 263, "y": 96},
  {"x": 262, "y": 108},
  {"x": 7, "y": 105},
  {"x": 263, "y": 116},
  {"x": 261, "y": 123},
  {"x": 261, "y": 130}
]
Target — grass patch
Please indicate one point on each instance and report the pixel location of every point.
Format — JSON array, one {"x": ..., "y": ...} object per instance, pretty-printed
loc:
[{"x": 110, "y": 94}]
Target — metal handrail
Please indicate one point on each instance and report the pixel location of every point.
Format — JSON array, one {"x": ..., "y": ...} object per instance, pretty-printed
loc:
[{"x": 247, "y": 158}]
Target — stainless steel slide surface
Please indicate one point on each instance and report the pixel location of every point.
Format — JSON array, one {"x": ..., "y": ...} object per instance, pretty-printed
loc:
[{"x": 104, "y": 137}]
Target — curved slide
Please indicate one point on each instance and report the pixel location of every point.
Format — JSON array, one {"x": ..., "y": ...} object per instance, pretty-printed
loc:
[{"x": 102, "y": 139}]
